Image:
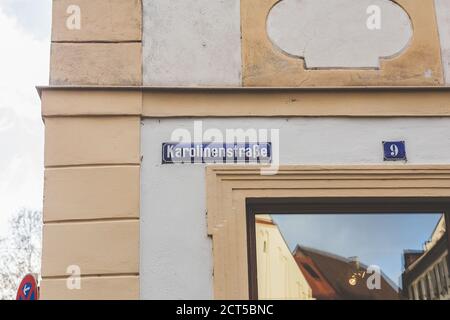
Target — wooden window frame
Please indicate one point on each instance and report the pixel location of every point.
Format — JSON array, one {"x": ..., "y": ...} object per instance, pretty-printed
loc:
[{"x": 230, "y": 189}]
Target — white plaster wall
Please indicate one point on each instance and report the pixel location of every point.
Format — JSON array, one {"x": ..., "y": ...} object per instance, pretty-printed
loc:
[
  {"x": 443, "y": 19},
  {"x": 176, "y": 254},
  {"x": 192, "y": 43},
  {"x": 310, "y": 28}
]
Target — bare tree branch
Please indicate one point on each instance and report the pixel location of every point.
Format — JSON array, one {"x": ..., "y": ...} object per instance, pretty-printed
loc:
[{"x": 20, "y": 251}]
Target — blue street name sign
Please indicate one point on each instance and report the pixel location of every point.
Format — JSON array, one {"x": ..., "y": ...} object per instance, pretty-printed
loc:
[{"x": 188, "y": 153}]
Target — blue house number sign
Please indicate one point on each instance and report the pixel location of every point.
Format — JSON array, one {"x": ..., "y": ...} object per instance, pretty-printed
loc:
[{"x": 394, "y": 150}]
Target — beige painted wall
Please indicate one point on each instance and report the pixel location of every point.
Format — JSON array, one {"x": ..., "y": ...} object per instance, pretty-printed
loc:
[
  {"x": 91, "y": 201},
  {"x": 105, "y": 50},
  {"x": 101, "y": 20},
  {"x": 92, "y": 153}
]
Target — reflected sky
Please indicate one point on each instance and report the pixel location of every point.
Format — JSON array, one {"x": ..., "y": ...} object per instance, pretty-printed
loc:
[{"x": 377, "y": 239}]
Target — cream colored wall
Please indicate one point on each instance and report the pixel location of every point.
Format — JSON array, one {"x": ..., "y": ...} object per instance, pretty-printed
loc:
[
  {"x": 443, "y": 284},
  {"x": 279, "y": 277},
  {"x": 437, "y": 234}
]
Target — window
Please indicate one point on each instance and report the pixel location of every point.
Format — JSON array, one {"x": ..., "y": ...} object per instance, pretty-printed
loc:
[
  {"x": 311, "y": 271},
  {"x": 347, "y": 252}
]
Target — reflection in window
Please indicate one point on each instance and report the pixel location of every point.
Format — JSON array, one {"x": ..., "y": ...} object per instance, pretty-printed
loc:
[
  {"x": 353, "y": 256},
  {"x": 310, "y": 271},
  {"x": 429, "y": 266}
]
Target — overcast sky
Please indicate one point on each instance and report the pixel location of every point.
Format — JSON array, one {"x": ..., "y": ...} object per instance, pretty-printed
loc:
[{"x": 24, "y": 59}]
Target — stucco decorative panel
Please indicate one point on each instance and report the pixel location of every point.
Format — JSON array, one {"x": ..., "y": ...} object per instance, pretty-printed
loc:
[
  {"x": 339, "y": 34},
  {"x": 280, "y": 65}
]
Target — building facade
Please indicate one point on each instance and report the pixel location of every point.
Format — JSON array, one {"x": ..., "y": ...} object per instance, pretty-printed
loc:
[
  {"x": 130, "y": 77},
  {"x": 426, "y": 275}
]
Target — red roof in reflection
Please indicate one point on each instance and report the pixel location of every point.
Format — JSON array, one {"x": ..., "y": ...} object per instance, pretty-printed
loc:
[
  {"x": 328, "y": 276},
  {"x": 321, "y": 288}
]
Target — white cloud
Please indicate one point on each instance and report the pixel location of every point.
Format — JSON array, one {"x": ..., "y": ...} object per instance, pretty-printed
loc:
[
  {"x": 33, "y": 15},
  {"x": 24, "y": 64},
  {"x": 334, "y": 34}
]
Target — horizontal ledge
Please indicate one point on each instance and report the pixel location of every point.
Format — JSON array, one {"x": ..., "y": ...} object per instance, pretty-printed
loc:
[
  {"x": 240, "y": 89},
  {"x": 344, "y": 177},
  {"x": 97, "y": 41},
  {"x": 100, "y": 220},
  {"x": 93, "y": 165},
  {"x": 326, "y": 168},
  {"x": 91, "y": 115},
  {"x": 165, "y": 102},
  {"x": 86, "y": 276},
  {"x": 81, "y": 166},
  {"x": 340, "y": 188}
]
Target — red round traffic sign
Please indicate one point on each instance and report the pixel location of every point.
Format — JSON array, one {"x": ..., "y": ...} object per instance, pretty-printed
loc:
[{"x": 28, "y": 289}]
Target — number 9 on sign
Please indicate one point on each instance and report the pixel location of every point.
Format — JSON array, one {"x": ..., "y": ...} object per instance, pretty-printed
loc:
[{"x": 394, "y": 150}]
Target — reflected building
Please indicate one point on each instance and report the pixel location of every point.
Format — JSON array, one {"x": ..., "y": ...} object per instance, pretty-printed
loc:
[
  {"x": 277, "y": 272},
  {"x": 321, "y": 288},
  {"x": 333, "y": 277},
  {"x": 426, "y": 275}
]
